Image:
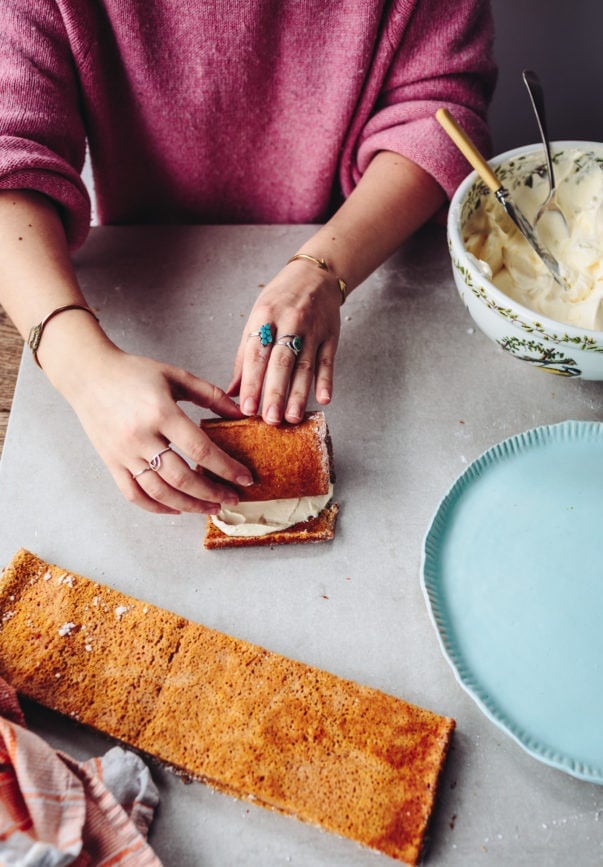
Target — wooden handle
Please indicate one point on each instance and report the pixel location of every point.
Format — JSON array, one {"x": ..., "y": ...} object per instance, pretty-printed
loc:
[{"x": 467, "y": 148}]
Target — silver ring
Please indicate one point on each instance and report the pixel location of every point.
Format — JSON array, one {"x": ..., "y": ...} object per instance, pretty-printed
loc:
[
  {"x": 293, "y": 342},
  {"x": 140, "y": 472},
  {"x": 264, "y": 333},
  {"x": 154, "y": 464}
]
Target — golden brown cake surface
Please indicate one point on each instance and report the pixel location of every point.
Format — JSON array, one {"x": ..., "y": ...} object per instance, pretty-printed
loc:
[
  {"x": 286, "y": 460},
  {"x": 252, "y": 723}
]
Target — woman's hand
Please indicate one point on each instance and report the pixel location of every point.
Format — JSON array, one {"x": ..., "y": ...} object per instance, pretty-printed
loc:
[
  {"x": 127, "y": 405},
  {"x": 301, "y": 307},
  {"x": 392, "y": 199}
]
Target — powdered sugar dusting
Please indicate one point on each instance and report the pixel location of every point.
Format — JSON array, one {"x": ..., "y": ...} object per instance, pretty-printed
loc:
[{"x": 65, "y": 578}]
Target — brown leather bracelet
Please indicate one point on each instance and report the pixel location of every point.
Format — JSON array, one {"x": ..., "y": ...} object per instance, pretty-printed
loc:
[{"x": 35, "y": 335}]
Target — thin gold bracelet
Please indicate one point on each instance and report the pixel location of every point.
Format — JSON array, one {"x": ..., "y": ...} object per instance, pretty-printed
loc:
[
  {"x": 343, "y": 286},
  {"x": 35, "y": 335}
]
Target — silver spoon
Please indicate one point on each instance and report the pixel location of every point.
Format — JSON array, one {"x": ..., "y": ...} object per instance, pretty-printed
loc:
[
  {"x": 488, "y": 176},
  {"x": 532, "y": 82}
]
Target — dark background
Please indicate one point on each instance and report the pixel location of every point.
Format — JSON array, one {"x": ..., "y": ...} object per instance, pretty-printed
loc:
[{"x": 562, "y": 40}]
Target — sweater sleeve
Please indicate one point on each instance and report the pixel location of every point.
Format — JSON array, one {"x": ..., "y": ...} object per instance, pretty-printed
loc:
[
  {"x": 42, "y": 135},
  {"x": 443, "y": 57}
]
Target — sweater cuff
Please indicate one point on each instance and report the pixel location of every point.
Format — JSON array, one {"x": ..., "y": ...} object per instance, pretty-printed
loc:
[
  {"x": 425, "y": 143},
  {"x": 46, "y": 173}
]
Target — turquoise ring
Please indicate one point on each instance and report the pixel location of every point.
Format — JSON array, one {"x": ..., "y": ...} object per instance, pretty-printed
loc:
[
  {"x": 293, "y": 342},
  {"x": 264, "y": 333}
]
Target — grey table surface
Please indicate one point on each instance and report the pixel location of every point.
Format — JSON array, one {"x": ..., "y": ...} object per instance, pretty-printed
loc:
[{"x": 420, "y": 393}]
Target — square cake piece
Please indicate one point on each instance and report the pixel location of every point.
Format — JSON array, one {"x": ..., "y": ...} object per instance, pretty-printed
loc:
[{"x": 293, "y": 471}]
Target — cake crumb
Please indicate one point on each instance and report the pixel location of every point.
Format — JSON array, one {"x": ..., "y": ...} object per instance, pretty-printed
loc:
[
  {"x": 66, "y": 628},
  {"x": 65, "y": 578}
]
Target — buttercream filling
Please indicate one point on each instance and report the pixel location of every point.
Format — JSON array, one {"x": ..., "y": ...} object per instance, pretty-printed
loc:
[
  {"x": 504, "y": 257},
  {"x": 261, "y": 518}
]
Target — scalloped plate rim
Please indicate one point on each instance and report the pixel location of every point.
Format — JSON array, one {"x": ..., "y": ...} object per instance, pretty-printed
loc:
[{"x": 518, "y": 442}]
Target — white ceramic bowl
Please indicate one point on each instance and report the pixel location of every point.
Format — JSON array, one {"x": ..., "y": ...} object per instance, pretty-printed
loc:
[{"x": 541, "y": 342}]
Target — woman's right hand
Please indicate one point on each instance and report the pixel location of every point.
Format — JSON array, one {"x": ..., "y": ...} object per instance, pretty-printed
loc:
[
  {"x": 128, "y": 407},
  {"x": 127, "y": 404}
]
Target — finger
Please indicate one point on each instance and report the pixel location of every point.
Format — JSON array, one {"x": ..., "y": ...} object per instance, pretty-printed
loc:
[
  {"x": 325, "y": 370},
  {"x": 178, "y": 475},
  {"x": 186, "y": 386},
  {"x": 157, "y": 490},
  {"x": 300, "y": 384},
  {"x": 256, "y": 356},
  {"x": 168, "y": 480},
  {"x": 195, "y": 444},
  {"x": 233, "y": 389},
  {"x": 135, "y": 494},
  {"x": 277, "y": 381}
]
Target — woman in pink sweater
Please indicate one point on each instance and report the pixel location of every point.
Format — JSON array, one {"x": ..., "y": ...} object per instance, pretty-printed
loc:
[{"x": 257, "y": 111}]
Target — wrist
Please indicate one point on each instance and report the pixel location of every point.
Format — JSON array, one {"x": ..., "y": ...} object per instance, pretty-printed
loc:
[
  {"x": 70, "y": 344},
  {"x": 37, "y": 332},
  {"x": 322, "y": 264}
]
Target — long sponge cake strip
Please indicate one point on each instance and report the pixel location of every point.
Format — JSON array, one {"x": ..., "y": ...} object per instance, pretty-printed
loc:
[{"x": 251, "y": 723}]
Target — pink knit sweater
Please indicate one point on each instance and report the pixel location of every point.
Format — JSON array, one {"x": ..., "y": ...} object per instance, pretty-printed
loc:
[{"x": 255, "y": 111}]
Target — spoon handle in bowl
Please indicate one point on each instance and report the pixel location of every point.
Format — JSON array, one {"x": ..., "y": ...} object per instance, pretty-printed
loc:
[
  {"x": 534, "y": 87},
  {"x": 468, "y": 149}
]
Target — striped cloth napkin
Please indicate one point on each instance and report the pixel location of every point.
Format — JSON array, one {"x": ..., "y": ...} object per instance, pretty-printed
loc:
[{"x": 55, "y": 811}]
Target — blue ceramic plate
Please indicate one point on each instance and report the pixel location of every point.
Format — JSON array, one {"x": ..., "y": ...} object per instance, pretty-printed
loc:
[{"x": 513, "y": 575}]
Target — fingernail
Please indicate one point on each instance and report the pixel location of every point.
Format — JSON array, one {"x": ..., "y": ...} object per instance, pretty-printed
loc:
[
  {"x": 230, "y": 500},
  {"x": 273, "y": 414},
  {"x": 244, "y": 481},
  {"x": 324, "y": 396},
  {"x": 249, "y": 407},
  {"x": 294, "y": 413}
]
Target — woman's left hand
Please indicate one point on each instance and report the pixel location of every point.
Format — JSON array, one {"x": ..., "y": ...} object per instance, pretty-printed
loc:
[{"x": 300, "y": 306}]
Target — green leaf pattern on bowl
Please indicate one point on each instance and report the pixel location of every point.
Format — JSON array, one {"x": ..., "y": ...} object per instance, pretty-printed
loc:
[
  {"x": 583, "y": 341},
  {"x": 520, "y": 172}
]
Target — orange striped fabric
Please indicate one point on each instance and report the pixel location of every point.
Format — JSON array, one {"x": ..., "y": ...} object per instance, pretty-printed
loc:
[{"x": 56, "y": 811}]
